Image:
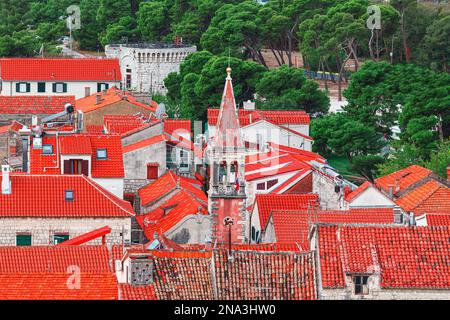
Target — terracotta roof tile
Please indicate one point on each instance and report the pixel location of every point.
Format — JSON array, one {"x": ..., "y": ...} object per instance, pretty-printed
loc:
[
  {"x": 44, "y": 196},
  {"x": 270, "y": 202},
  {"x": 129, "y": 292},
  {"x": 294, "y": 226},
  {"x": 113, "y": 95},
  {"x": 247, "y": 117},
  {"x": 429, "y": 197},
  {"x": 407, "y": 257},
  {"x": 402, "y": 179},
  {"x": 59, "y": 69},
  {"x": 53, "y": 259},
  {"x": 28, "y": 105},
  {"x": 112, "y": 167},
  {"x": 144, "y": 143},
  {"x": 168, "y": 183},
  {"x": 174, "y": 125}
]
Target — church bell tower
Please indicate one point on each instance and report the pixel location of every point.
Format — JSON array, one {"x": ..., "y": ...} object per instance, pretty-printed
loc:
[{"x": 227, "y": 197}]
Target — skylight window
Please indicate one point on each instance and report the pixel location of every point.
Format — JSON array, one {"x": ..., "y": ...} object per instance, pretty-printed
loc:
[
  {"x": 102, "y": 154},
  {"x": 47, "y": 149},
  {"x": 69, "y": 195}
]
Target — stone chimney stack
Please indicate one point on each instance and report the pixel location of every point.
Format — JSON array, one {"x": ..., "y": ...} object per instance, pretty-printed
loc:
[
  {"x": 98, "y": 98},
  {"x": 6, "y": 182}
]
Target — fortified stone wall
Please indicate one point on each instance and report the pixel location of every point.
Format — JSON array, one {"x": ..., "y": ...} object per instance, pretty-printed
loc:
[{"x": 145, "y": 66}]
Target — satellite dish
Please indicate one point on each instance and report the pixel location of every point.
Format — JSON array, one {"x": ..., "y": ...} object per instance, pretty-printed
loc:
[{"x": 160, "y": 110}]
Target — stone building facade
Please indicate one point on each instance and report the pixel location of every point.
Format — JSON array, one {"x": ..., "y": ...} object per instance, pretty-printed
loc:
[
  {"x": 144, "y": 66},
  {"x": 43, "y": 230}
]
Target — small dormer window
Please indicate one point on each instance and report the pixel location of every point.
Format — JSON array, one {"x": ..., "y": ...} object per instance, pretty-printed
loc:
[
  {"x": 360, "y": 283},
  {"x": 69, "y": 195},
  {"x": 47, "y": 149},
  {"x": 102, "y": 154}
]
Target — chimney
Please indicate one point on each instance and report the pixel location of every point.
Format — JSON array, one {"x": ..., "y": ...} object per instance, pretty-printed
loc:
[
  {"x": 391, "y": 192},
  {"x": 6, "y": 183},
  {"x": 412, "y": 219},
  {"x": 249, "y": 105},
  {"x": 105, "y": 92},
  {"x": 98, "y": 98}
]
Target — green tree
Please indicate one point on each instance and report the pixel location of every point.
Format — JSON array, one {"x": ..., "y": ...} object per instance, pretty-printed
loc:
[
  {"x": 343, "y": 136},
  {"x": 153, "y": 21},
  {"x": 288, "y": 88}
]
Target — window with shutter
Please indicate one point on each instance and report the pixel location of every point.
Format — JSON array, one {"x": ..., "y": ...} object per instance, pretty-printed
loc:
[
  {"x": 152, "y": 171},
  {"x": 85, "y": 167},
  {"x": 23, "y": 240},
  {"x": 41, "y": 86},
  {"x": 67, "y": 167}
]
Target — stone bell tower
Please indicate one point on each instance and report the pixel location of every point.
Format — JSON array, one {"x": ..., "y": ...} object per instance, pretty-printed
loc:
[{"x": 226, "y": 155}]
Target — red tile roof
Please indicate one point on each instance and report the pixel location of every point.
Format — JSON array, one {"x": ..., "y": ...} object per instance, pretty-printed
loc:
[
  {"x": 44, "y": 196},
  {"x": 250, "y": 275},
  {"x": 43, "y": 272},
  {"x": 58, "y": 69},
  {"x": 265, "y": 276},
  {"x": 144, "y": 143},
  {"x": 113, "y": 95},
  {"x": 168, "y": 183},
  {"x": 246, "y": 117},
  {"x": 299, "y": 154},
  {"x": 75, "y": 144},
  {"x": 53, "y": 286},
  {"x": 39, "y": 259},
  {"x": 429, "y": 197},
  {"x": 126, "y": 124},
  {"x": 174, "y": 125},
  {"x": 34, "y": 104},
  {"x": 94, "y": 129},
  {"x": 129, "y": 292},
  {"x": 14, "y": 126},
  {"x": 438, "y": 219},
  {"x": 269, "y": 164},
  {"x": 293, "y": 226},
  {"x": 81, "y": 144},
  {"x": 407, "y": 257},
  {"x": 402, "y": 179},
  {"x": 170, "y": 213},
  {"x": 270, "y": 202},
  {"x": 355, "y": 193}
]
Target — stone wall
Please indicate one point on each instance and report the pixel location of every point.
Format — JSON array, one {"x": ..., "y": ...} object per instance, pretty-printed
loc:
[
  {"x": 149, "y": 64},
  {"x": 324, "y": 187},
  {"x": 42, "y": 230},
  {"x": 95, "y": 117}
]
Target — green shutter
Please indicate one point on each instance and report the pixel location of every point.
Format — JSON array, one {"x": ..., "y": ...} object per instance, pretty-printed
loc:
[
  {"x": 41, "y": 86},
  {"x": 99, "y": 87},
  {"x": 28, "y": 87},
  {"x": 106, "y": 86},
  {"x": 54, "y": 87},
  {"x": 64, "y": 87},
  {"x": 23, "y": 240},
  {"x": 17, "y": 87}
]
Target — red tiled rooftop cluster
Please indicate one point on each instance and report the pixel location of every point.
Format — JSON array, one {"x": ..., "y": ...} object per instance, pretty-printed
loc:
[
  {"x": 405, "y": 257},
  {"x": 293, "y": 226},
  {"x": 265, "y": 276},
  {"x": 60, "y": 69},
  {"x": 34, "y": 104},
  {"x": 112, "y": 167},
  {"x": 247, "y": 117},
  {"x": 249, "y": 275},
  {"x": 44, "y": 196},
  {"x": 36, "y": 273},
  {"x": 271, "y": 202}
]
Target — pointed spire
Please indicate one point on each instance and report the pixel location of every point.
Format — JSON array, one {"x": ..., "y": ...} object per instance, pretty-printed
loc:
[{"x": 228, "y": 131}]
